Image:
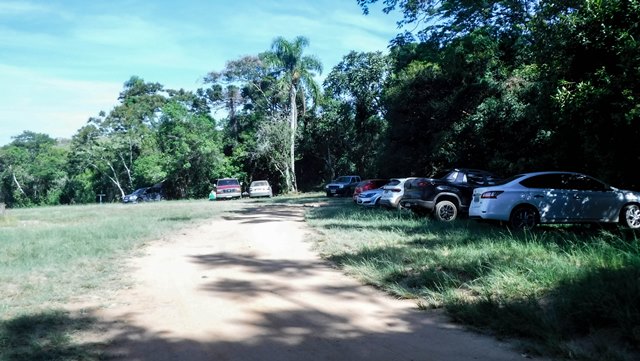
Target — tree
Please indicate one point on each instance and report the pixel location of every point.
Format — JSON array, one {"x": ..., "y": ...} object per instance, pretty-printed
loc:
[
  {"x": 358, "y": 82},
  {"x": 295, "y": 72},
  {"x": 191, "y": 150},
  {"x": 448, "y": 19},
  {"x": 32, "y": 170},
  {"x": 111, "y": 143}
]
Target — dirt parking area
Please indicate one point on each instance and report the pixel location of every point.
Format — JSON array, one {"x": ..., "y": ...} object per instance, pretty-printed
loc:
[{"x": 247, "y": 286}]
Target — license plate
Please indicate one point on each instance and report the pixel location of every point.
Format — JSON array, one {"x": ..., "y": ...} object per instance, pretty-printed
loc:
[{"x": 333, "y": 191}]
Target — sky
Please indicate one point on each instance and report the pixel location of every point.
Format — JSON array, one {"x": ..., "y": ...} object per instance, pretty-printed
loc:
[{"x": 63, "y": 61}]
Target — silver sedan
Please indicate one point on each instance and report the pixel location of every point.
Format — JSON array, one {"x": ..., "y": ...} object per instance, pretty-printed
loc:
[{"x": 526, "y": 200}]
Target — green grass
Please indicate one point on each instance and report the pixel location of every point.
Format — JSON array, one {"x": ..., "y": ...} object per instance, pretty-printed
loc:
[
  {"x": 49, "y": 254},
  {"x": 568, "y": 291}
]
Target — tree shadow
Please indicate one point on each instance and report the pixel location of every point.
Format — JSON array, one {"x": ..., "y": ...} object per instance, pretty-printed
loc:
[
  {"x": 264, "y": 214},
  {"x": 298, "y": 328},
  {"x": 46, "y": 336},
  {"x": 282, "y": 267}
]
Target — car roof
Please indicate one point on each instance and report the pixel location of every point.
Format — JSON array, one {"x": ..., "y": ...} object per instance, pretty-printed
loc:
[
  {"x": 518, "y": 177},
  {"x": 532, "y": 174},
  {"x": 550, "y": 172}
]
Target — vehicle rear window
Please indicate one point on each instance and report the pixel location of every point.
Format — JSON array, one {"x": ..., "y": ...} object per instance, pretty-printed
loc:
[
  {"x": 259, "y": 184},
  {"x": 228, "y": 182},
  {"x": 551, "y": 181},
  {"x": 343, "y": 180}
]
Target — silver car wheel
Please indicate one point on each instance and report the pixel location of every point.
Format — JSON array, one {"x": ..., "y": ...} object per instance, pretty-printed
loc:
[
  {"x": 446, "y": 211},
  {"x": 632, "y": 216}
]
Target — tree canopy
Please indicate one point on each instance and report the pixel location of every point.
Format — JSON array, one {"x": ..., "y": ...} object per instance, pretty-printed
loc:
[{"x": 504, "y": 85}]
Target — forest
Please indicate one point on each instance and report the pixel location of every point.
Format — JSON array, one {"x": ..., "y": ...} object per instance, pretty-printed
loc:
[{"x": 505, "y": 85}]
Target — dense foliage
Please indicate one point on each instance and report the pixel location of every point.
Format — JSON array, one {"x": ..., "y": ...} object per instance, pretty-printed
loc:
[{"x": 503, "y": 85}]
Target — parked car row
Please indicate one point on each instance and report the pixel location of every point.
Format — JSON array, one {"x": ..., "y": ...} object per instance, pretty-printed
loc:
[
  {"x": 522, "y": 201},
  {"x": 231, "y": 188}
]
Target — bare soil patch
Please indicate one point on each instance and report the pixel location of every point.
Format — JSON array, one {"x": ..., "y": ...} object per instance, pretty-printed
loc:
[{"x": 247, "y": 286}]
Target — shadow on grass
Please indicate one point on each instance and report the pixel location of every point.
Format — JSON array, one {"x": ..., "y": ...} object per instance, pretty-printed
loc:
[
  {"x": 46, "y": 336},
  {"x": 455, "y": 262},
  {"x": 292, "y": 321},
  {"x": 593, "y": 317}
]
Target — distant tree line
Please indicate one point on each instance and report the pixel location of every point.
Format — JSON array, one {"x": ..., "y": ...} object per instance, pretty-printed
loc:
[{"x": 507, "y": 86}]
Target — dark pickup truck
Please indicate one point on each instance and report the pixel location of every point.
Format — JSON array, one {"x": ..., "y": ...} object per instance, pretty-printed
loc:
[
  {"x": 342, "y": 186},
  {"x": 447, "y": 194}
]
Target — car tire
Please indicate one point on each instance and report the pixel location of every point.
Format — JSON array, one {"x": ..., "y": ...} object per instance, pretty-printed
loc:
[
  {"x": 524, "y": 218},
  {"x": 445, "y": 211},
  {"x": 630, "y": 216}
]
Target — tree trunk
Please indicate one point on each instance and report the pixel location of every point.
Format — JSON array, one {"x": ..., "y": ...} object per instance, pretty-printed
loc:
[
  {"x": 293, "y": 186},
  {"x": 15, "y": 180}
]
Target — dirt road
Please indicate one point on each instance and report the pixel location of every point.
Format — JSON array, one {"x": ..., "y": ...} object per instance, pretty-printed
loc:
[{"x": 248, "y": 287}]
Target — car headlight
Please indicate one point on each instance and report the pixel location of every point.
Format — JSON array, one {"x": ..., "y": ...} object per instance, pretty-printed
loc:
[{"x": 340, "y": 185}]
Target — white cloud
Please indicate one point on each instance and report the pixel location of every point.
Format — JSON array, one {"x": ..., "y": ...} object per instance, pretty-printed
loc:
[
  {"x": 12, "y": 8},
  {"x": 44, "y": 104},
  {"x": 63, "y": 62}
]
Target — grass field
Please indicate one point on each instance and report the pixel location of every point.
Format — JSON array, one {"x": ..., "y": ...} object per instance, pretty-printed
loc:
[
  {"x": 49, "y": 254},
  {"x": 568, "y": 291}
]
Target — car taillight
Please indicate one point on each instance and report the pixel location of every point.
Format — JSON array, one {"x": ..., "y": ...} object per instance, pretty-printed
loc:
[{"x": 491, "y": 194}]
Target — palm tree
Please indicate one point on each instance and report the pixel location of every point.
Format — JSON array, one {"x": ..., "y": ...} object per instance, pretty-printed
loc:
[{"x": 296, "y": 72}]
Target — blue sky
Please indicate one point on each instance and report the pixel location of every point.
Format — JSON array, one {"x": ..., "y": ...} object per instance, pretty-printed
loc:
[{"x": 63, "y": 61}]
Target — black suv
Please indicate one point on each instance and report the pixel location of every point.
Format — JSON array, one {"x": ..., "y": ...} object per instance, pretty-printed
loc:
[
  {"x": 447, "y": 194},
  {"x": 144, "y": 194}
]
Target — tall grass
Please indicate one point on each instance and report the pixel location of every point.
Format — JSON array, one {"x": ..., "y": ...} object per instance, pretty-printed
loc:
[
  {"x": 569, "y": 291},
  {"x": 49, "y": 254}
]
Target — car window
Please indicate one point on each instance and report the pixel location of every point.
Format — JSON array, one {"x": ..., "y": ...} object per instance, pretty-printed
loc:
[
  {"x": 583, "y": 182},
  {"x": 343, "y": 180},
  {"x": 228, "y": 182},
  {"x": 259, "y": 184},
  {"x": 475, "y": 178},
  {"x": 452, "y": 176},
  {"x": 551, "y": 181}
]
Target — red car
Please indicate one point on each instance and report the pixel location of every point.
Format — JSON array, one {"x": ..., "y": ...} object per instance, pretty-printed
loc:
[
  {"x": 228, "y": 188},
  {"x": 368, "y": 184}
]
